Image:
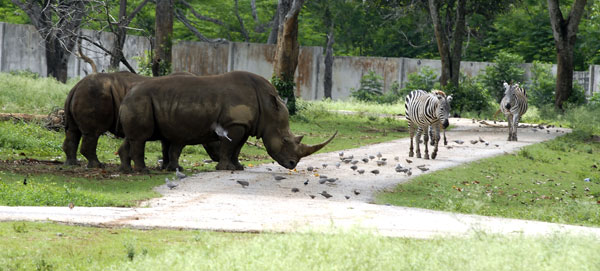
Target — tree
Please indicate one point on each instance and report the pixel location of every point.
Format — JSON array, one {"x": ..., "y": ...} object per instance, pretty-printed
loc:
[
  {"x": 449, "y": 38},
  {"x": 565, "y": 34},
  {"x": 119, "y": 29},
  {"x": 58, "y": 22},
  {"x": 286, "y": 54},
  {"x": 161, "y": 63}
]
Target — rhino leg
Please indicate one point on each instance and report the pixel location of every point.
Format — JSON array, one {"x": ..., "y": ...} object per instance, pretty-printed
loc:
[
  {"x": 136, "y": 149},
  {"x": 166, "y": 145},
  {"x": 174, "y": 153},
  {"x": 70, "y": 145},
  {"x": 125, "y": 157},
  {"x": 89, "y": 143},
  {"x": 230, "y": 150},
  {"x": 212, "y": 149}
]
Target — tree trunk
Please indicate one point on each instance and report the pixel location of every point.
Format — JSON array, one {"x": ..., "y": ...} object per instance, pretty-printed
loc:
[
  {"x": 57, "y": 59},
  {"x": 275, "y": 29},
  {"x": 327, "y": 82},
  {"x": 441, "y": 38},
  {"x": 120, "y": 34},
  {"x": 164, "y": 32},
  {"x": 459, "y": 33},
  {"x": 565, "y": 34}
]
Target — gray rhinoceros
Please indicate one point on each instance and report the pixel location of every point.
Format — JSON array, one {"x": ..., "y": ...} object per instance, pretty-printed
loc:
[
  {"x": 187, "y": 110},
  {"x": 92, "y": 108}
]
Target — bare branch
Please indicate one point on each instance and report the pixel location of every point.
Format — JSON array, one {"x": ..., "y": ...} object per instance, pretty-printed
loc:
[
  {"x": 242, "y": 28},
  {"x": 179, "y": 15},
  {"x": 200, "y": 16},
  {"x": 85, "y": 58},
  {"x": 254, "y": 14}
]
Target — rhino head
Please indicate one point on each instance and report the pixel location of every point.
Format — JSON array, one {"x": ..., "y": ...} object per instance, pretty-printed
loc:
[{"x": 283, "y": 146}]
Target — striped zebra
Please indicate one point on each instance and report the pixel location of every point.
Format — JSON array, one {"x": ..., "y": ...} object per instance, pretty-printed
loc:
[
  {"x": 437, "y": 91},
  {"x": 422, "y": 111},
  {"x": 513, "y": 105}
]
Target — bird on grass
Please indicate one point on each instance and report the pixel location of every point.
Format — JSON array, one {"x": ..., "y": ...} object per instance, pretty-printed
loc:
[
  {"x": 179, "y": 174},
  {"x": 71, "y": 205},
  {"x": 25, "y": 181},
  {"x": 170, "y": 184}
]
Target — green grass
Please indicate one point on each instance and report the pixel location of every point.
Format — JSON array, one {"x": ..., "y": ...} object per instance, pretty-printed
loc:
[
  {"x": 25, "y": 93},
  {"x": 541, "y": 182},
  {"x": 360, "y": 106},
  {"x": 47, "y": 246}
]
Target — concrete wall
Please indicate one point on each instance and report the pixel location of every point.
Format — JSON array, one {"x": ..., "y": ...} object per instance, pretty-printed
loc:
[{"x": 21, "y": 48}]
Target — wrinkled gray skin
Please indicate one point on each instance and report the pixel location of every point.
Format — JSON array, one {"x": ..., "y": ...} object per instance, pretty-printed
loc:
[
  {"x": 92, "y": 108},
  {"x": 184, "y": 110}
]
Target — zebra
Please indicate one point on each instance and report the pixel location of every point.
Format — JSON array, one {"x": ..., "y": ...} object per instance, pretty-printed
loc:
[
  {"x": 422, "y": 111},
  {"x": 437, "y": 91},
  {"x": 513, "y": 105}
]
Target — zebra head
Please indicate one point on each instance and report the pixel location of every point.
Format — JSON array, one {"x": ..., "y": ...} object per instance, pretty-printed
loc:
[
  {"x": 509, "y": 93},
  {"x": 443, "y": 109}
]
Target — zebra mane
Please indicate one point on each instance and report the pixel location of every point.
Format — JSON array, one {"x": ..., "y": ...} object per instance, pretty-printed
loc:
[{"x": 438, "y": 92}]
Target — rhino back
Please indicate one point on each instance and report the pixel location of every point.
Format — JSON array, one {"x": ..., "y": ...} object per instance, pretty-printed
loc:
[{"x": 185, "y": 109}]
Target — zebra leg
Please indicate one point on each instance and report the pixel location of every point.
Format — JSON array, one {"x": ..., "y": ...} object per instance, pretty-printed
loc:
[
  {"x": 515, "y": 126},
  {"x": 445, "y": 141},
  {"x": 431, "y": 134},
  {"x": 411, "y": 134},
  {"x": 509, "y": 119},
  {"x": 418, "y": 140},
  {"x": 426, "y": 141},
  {"x": 436, "y": 139}
]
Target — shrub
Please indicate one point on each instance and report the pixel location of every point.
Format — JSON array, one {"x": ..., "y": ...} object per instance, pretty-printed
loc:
[
  {"x": 425, "y": 79},
  {"x": 145, "y": 65},
  {"x": 371, "y": 86},
  {"x": 470, "y": 96},
  {"x": 540, "y": 90},
  {"x": 506, "y": 69}
]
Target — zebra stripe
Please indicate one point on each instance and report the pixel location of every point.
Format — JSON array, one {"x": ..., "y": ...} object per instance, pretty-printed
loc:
[
  {"x": 424, "y": 110},
  {"x": 513, "y": 105}
]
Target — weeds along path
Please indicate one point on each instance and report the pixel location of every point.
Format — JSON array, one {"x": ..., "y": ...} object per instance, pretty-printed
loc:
[{"x": 299, "y": 200}]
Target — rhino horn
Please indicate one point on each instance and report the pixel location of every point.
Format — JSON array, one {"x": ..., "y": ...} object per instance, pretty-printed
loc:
[{"x": 306, "y": 150}]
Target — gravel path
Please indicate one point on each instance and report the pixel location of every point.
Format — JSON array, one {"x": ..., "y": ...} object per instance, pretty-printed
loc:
[{"x": 217, "y": 201}]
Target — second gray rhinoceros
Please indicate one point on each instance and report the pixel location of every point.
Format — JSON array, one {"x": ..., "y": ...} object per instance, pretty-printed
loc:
[{"x": 186, "y": 110}]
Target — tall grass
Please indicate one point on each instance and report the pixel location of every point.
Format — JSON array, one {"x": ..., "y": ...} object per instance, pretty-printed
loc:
[
  {"x": 27, "y": 246},
  {"x": 359, "y": 106},
  {"x": 24, "y": 93}
]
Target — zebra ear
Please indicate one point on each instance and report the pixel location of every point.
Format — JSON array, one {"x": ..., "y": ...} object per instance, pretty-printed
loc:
[
  {"x": 505, "y": 85},
  {"x": 449, "y": 99}
]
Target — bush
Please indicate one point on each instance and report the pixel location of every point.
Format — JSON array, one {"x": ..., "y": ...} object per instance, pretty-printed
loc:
[
  {"x": 425, "y": 79},
  {"x": 371, "y": 90},
  {"x": 470, "y": 96},
  {"x": 540, "y": 91},
  {"x": 506, "y": 69},
  {"x": 145, "y": 65}
]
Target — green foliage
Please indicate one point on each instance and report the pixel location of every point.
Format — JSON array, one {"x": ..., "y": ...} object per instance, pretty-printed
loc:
[
  {"x": 285, "y": 88},
  {"x": 540, "y": 91},
  {"x": 470, "y": 96},
  {"x": 426, "y": 79},
  {"x": 26, "y": 92},
  {"x": 507, "y": 68},
  {"x": 595, "y": 99},
  {"x": 371, "y": 90},
  {"x": 145, "y": 65}
]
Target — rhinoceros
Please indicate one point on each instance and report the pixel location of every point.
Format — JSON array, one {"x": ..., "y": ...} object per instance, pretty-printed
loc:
[
  {"x": 189, "y": 110},
  {"x": 92, "y": 108}
]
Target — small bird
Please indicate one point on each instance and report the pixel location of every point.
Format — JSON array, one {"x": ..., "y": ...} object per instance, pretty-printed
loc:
[
  {"x": 396, "y": 158},
  {"x": 310, "y": 169},
  {"x": 322, "y": 180},
  {"x": 279, "y": 178},
  {"x": 356, "y": 192},
  {"x": 179, "y": 174},
  {"x": 586, "y": 180},
  {"x": 375, "y": 171},
  {"x": 347, "y": 197},
  {"x": 365, "y": 160},
  {"x": 379, "y": 155},
  {"x": 487, "y": 143},
  {"x": 324, "y": 165},
  {"x": 371, "y": 157},
  {"x": 170, "y": 184},
  {"x": 496, "y": 145},
  {"x": 325, "y": 194},
  {"x": 423, "y": 168},
  {"x": 295, "y": 190},
  {"x": 360, "y": 171},
  {"x": 383, "y": 159},
  {"x": 71, "y": 205},
  {"x": 547, "y": 131},
  {"x": 323, "y": 176},
  {"x": 460, "y": 142},
  {"x": 220, "y": 131},
  {"x": 354, "y": 162},
  {"x": 353, "y": 167},
  {"x": 341, "y": 153},
  {"x": 409, "y": 172},
  {"x": 306, "y": 182},
  {"x": 381, "y": 163},
  {"x": 481, "y": 140},
  {"x": 408, "y": 161},
  {"x": 312, "y": 196},
  {"x": 473, "y": 141},
  {"x": 243, "y": 183},
  {"x": 347, "y": 160},
  {"x": 25, "y": 181},
  {"x": 337, "y": 165},
  {"x": 400, "y": 168}
]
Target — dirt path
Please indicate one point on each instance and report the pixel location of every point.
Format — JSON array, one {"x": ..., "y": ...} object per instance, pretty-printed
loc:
[{"x": 216, "y": 201}]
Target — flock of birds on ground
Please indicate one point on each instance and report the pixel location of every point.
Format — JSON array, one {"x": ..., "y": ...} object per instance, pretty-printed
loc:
[{"x": 355, "y": 163}]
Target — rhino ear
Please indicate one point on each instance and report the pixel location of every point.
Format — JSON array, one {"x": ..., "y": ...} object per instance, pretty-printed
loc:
[
  {"x": 276, "y": 102},
  {"x": 298, "y": 139}
]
